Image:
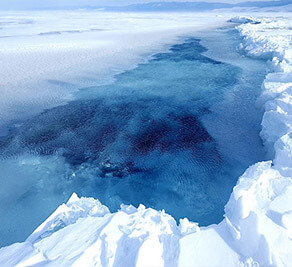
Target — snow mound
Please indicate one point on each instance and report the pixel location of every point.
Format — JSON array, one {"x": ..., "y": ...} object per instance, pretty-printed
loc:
[
  {"x": 243, "y": 20},
  {"x": 84, "y": 233},
  {"x": 257, "y": 229}
]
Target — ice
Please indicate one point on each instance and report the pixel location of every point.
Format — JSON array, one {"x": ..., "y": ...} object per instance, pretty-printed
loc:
[
  {"x": 263, "y": 193},
  {"x": 243, "y": 20},
  {"x": 256, "y": 230},
  {"x": 42, "y": 50},
  {"x": 140, "y": 139},
  {"x": 151, "y": 236}
]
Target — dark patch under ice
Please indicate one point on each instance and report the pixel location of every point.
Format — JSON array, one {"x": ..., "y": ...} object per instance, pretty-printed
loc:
[
  {"x": 93, "y": 130},
  {"x": 138, "y": 140}
]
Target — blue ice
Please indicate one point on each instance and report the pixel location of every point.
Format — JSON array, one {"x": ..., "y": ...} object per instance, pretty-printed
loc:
[{"x": 158, "y": 135}]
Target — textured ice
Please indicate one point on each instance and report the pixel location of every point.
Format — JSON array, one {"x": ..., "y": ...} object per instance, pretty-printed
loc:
[
  {"x": 141, "y": 139},
  {"x": 41, "y": 50},
  {"x": 257, "y": 229}
]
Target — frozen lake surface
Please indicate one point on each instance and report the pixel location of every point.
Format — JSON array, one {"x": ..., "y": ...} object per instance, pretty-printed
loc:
[{"x": 174, "y": 133}]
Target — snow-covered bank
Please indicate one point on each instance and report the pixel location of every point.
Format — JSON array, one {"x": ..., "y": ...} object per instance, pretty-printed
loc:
[
  {"x": 46, "y": 55},
  {"x": 257, "y": 228}
]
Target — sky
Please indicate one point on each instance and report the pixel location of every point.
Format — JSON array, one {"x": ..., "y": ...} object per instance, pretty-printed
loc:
[{"x": 20, "y": 4}]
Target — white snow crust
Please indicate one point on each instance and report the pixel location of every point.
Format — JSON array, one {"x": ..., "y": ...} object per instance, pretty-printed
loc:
[
  {"x": 256, "y": 231},
  {"x": 47, "y": 55}
]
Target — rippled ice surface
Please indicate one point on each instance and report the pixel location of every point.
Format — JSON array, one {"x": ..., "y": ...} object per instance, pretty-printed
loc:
[{"x": 158, "y": 136}]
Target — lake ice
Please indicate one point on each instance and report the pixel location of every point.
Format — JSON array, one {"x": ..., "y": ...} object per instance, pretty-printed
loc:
[{"x": 170, "y": 134}]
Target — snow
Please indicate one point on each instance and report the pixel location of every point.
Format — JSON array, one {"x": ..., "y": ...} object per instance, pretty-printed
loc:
[
  {"x": 256, "y": 231},
  {"x": 243, "y": 20},
  {"x": 41, "y": 50}
]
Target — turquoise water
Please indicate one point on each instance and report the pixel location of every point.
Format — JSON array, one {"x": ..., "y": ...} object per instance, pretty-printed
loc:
[{"x": 158, "y": 135}]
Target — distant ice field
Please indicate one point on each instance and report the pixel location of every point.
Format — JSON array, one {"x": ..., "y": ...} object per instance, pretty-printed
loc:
[
  {"x": 170, "y": 133},
  {"x": 41, "y": 50}
]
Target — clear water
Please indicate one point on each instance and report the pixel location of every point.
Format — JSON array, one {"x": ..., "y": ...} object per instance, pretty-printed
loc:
[{"x": 170, "y": 134}]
